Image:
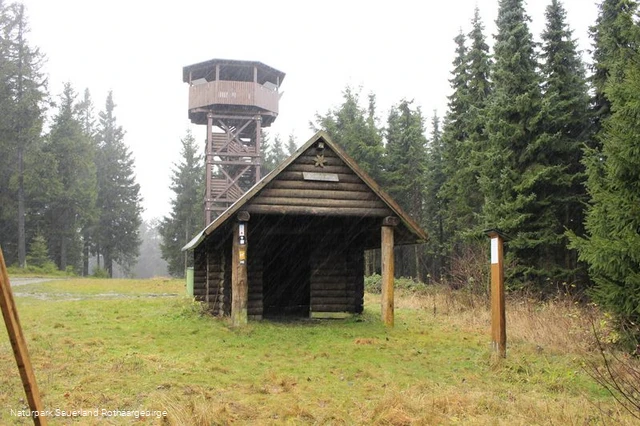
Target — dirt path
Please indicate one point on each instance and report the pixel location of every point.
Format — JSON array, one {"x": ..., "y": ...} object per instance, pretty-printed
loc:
[{"x": 18, "y": 281}]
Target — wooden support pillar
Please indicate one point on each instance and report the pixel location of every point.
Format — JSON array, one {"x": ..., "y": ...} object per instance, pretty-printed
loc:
[
  {"x": 19, "y": 346},
  {"x": 239, "y": 278},
  {"x": 258, "y": 143},
  {"x": 388, "y": 269},
  {"x": 208, "y": 195},
  {"x": 498, "y": 318}
]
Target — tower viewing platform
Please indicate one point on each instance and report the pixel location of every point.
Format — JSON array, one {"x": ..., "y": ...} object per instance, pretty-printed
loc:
[{"x": 232, "y": 87}]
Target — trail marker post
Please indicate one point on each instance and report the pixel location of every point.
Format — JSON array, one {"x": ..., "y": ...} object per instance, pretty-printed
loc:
[{"x": 498, "y": 319}]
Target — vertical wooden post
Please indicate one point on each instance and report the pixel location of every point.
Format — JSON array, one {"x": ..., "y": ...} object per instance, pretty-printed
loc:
[
  {"x": 19, "y": 345},
  {"x": 388, "y": 269},
  {"x": 258, "y": 121},
  {"x": 208, "y": 172},
  {"x": 498, "y": 319},
  {"x": 239, "y": 279}
]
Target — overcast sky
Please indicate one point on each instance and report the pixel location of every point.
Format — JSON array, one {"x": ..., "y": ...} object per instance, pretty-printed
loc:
[{"x": 137, "y": 48}]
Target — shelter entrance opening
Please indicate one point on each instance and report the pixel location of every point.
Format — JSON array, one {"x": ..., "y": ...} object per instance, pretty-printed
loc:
[{"x": 287, "y": 289}]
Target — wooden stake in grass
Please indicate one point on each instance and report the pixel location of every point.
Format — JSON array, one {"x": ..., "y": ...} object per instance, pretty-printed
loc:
[
  {"x": 498, "y": 320},
  {"x": 19, "y": 345},
  {"x": 388, "y": 267},
  {"x": 239, "y": 279}
]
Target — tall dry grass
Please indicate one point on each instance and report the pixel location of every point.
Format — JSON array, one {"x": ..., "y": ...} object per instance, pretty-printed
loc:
[{"x": 559, "y": 324}]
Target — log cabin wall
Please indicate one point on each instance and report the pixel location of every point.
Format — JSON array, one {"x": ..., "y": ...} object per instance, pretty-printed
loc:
[
  {"x": 200, "y": 273},
  {"x": 211, "y": 278},
  {"x": 337, "y": 268},
  {"x": 255, "y": 268}
]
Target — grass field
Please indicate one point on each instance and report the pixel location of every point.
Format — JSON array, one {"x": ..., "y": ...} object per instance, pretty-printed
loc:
[{"x": 140, "y": 345}]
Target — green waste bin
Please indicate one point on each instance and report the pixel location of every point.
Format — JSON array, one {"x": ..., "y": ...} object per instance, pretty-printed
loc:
[{"x": 190, "y": 281}]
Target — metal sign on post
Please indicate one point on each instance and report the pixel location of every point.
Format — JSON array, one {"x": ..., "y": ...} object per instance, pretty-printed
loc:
[
  {"x": 19, "y": 346},
  {"x": 498, "y": 319}
]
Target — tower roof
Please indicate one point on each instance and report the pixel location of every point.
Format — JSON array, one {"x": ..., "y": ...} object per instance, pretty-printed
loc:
[{"x": 231, "y": 69}]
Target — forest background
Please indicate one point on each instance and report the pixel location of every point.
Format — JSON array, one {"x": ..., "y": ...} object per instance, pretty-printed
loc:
[{"x": 532, "y": 143}]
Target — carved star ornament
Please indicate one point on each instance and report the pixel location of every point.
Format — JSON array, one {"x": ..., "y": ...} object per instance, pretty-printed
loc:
[{"x": 320, "y": 161}]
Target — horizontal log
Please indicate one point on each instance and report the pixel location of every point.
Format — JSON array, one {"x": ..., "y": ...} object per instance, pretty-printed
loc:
[
  {"x": 317, "y": 194},
  {"x": 318, "y": 202},
  {"x": 297, "y": 167},
  {"x": 337, "y": 279},
  {"x": 329, "y": 286},
  {"x": 318, "y": 211},
  {"x": 342, "y": 177},
  {"x": 331, "y": 301},
  {"x": 326, "y": 270},
  {"x": 333, "y": 308},
  {"x": 256, "y": 296},
  {"x": 333, "y": 293},
  {"x": 325, "y": 186}
]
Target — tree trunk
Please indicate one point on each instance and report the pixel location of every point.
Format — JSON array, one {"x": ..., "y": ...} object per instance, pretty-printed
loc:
[
  {"x": 22, "y": 245},
  {"x": 418, "y": 275},
  {"x": 85, "y": 257}
]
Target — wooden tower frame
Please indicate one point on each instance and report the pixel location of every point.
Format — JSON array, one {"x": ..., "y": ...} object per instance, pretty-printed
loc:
[{"x": 235, "y": 100}]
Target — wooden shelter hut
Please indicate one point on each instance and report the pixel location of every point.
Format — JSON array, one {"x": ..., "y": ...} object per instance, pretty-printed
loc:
[{"x": 294, "y": 243}]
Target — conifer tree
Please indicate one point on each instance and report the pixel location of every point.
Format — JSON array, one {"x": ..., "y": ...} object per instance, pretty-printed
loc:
[
  {"x": 464, "y": 137},
  {"x": 406, "y": 156},
  {"x": 557, "y": 177},
  {"x": 38, "y": 252},
  {"x": 406, "y": 159},
  {"x": 292, "y": 146},
  {"x": 275, "y": 155},
  {"x": 22, "y": 96},
  {"x": 353, "y": 128},
  {"x": 186, "y": 218},
  {"x": 87, "y": 120},
  {"x": 512, "y": 129},
  {"x": 611, "y": 247},
  {"x": 70, "y": 207},
  {"x": 434, "y": 208},
  {"x": 118, "y": 200},
  {"x": 611, "y": 38}
]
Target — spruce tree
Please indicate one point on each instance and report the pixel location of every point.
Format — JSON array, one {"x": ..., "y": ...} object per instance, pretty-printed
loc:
[
  {"x": 434, "y": 208},
  {"x": 117, "y": 230},
  {"x": 292, "y": 146},
  {"x": 406, "y": 159},
  {"x": 186, "y": 218},
  {"x": 87, "y": 120},
  {"x": 353, "y": 127},
  {"x": 512, "y": 129},
  {"x": 406, "y": 156},
  {"x": 464, "y": 137},
  {"x": 611, "y": 44},
  {"x": 22, "y": 96},
  {"x": 38, "y": 252},
  {"x": 71, "y": 206},
  {"x": 556, "y": 177},
  {"x": 611, "y": 247}
]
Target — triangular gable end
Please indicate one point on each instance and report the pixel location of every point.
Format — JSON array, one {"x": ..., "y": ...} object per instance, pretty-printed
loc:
[{"x": 318, "y": 182}]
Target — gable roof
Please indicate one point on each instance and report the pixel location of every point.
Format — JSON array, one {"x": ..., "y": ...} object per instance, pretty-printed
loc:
[{"x": 405, "y": 219}]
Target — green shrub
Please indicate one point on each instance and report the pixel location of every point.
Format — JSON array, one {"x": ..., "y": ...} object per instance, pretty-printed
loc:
[
  {"x": 100, "y": 273},
  {"x": 373, "y": 284}
]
